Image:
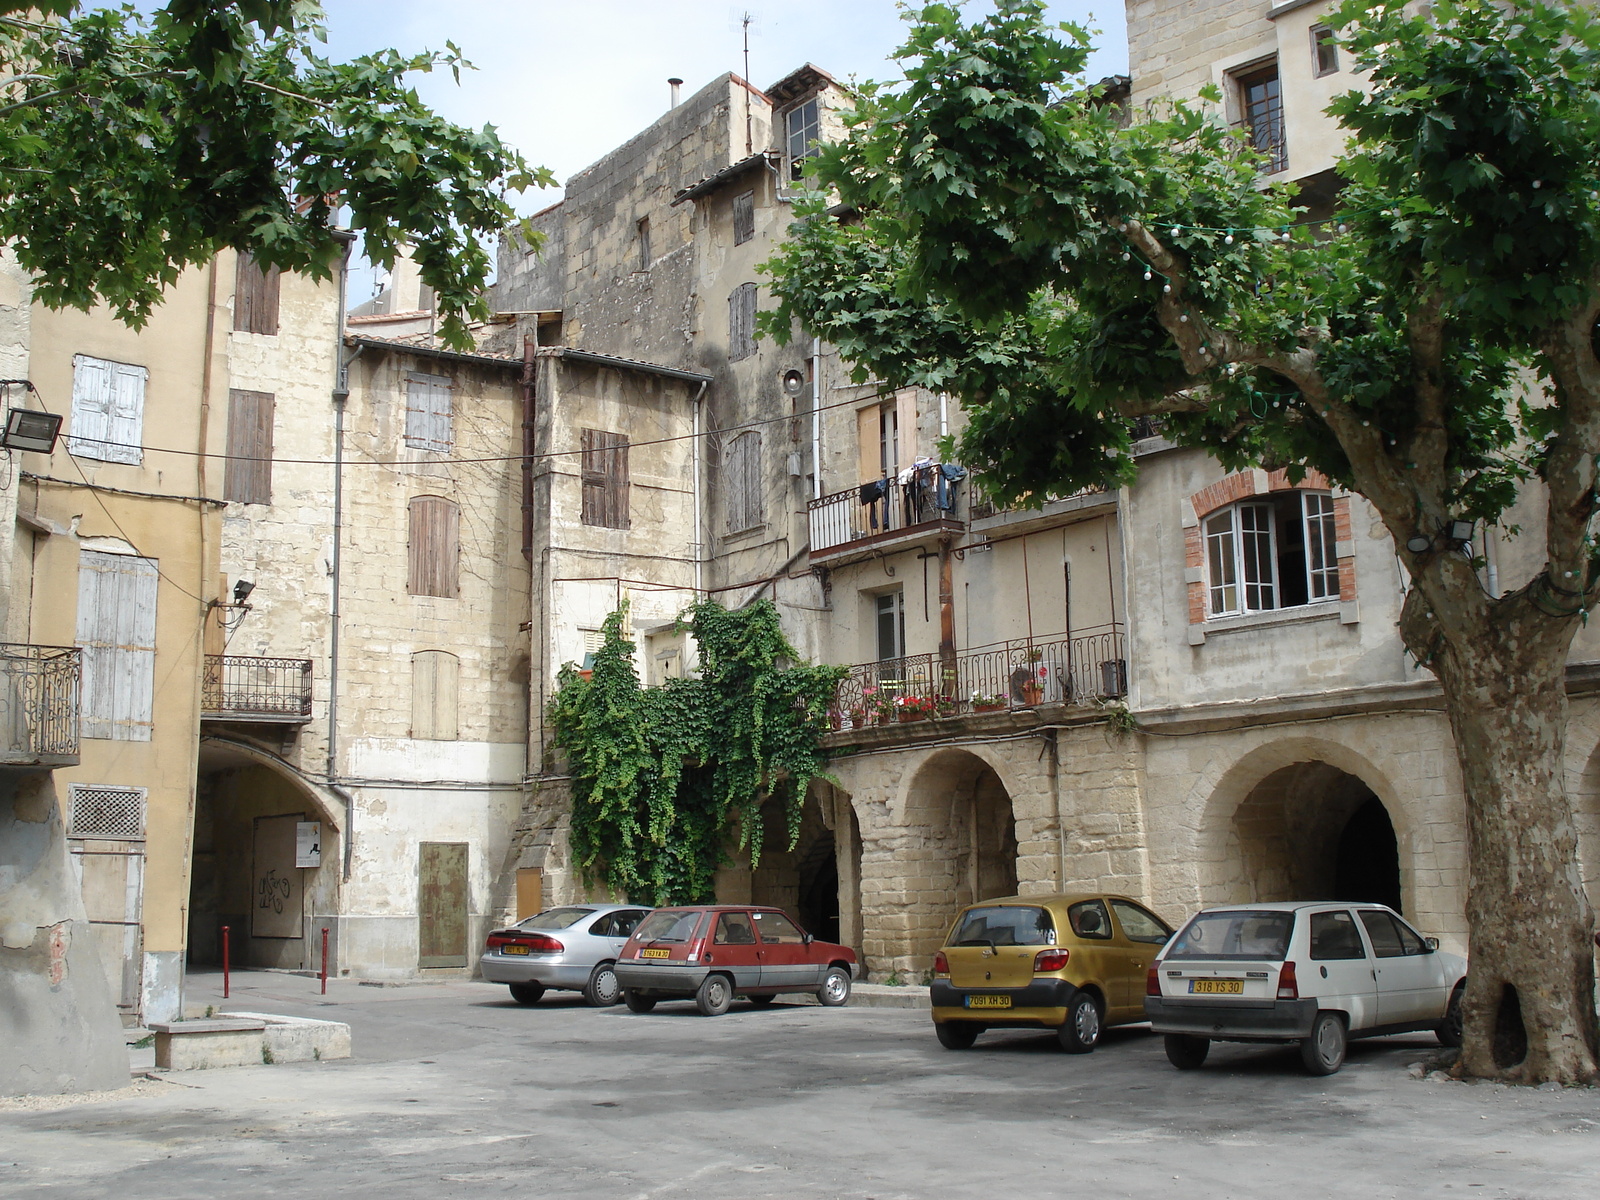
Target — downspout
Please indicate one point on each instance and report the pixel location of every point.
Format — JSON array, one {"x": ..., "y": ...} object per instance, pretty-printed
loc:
[
  {"x": 816, "y": 418},
  {"x": 341, "y": 393},
  {"x": 696, "y": 467},
  {"x": 530, "y": 400}
]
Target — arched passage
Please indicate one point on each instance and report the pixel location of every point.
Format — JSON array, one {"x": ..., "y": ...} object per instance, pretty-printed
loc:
[{"x": 816, "y": 880}]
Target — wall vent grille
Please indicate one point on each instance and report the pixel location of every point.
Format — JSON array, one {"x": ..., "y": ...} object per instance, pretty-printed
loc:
[{"x": 107, "y": 812}]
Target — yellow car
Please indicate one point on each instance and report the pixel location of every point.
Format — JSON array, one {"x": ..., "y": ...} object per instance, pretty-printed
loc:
[{"x": 1074, "y": 964}]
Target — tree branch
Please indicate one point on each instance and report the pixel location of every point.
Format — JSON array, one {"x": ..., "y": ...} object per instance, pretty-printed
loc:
[{"x": 1569, "y": 473}]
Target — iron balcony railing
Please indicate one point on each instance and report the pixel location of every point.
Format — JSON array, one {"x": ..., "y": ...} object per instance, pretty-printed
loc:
[
  {"x": 1021, "y": 673},
  {"x": 39, "y": 703},
  {"x": 885, "y": 506},
  {"x": 242, "y": 688}
]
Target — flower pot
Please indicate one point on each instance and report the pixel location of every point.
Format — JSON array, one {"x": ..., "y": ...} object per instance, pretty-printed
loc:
[
  {"x": 1032, "y": 693},
  {"x": 988, "y": 708},
  {"x": 907, "y": 717}
]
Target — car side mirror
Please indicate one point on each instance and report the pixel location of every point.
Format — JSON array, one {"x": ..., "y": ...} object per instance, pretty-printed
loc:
[
  {"x": 1433, "y": 944},
  {"x": 807, "y": 938}
]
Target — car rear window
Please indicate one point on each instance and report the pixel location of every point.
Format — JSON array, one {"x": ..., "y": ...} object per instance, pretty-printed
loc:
[
  {"x": 1017, "y": 925},
  {"x": 667, "y": 927},
  {"x": 1248, "y": 934},
  {"x": 555, "y": 918}
]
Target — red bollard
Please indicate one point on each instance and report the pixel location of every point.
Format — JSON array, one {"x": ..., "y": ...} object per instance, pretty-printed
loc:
[
  {"x": 224, "y": 962},
  {"x": 324, "y": 962}
]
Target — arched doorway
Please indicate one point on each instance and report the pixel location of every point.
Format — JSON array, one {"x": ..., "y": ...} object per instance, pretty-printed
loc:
[{"x": 816, "y": 879}]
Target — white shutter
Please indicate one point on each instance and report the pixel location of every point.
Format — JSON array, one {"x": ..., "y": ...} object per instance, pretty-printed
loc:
[
  {"x": 107, "y": 410},
  {"x": 127, "y": 413},
  {"x": 117, "y": 630},
  {"x": 428, "y": 413}
]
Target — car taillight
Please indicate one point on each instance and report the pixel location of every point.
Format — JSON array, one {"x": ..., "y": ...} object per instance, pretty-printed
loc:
[
  {"x": 1050, "y": 960},
  {"x": 1288, "y": 987},
  {"x": 1152, "y": 983},
  {"x": 537, "y": 943},
  {"x": 941, "y": 964}
]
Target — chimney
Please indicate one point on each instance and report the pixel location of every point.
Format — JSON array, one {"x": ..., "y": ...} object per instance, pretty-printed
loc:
[{"x": 674, "y": 84}]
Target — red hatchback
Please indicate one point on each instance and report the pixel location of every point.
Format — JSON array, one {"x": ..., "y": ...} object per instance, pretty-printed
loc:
[{"x": 711, "y": 953}]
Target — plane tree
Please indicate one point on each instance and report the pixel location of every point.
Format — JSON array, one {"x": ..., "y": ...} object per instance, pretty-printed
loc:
[{"x": 1429, "y": 343}]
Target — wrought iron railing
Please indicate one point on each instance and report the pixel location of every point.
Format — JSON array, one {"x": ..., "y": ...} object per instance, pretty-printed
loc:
[
  {"x": 1021, "y": 673},
  {"x": 39, "y": 701},
  {"x": 240, "y": 686},
  {"x": 885, "y": 506},
  {"x": 982, "y": 506}
]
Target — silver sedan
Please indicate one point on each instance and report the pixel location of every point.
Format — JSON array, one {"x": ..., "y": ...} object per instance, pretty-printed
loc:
[{"x": 572, "y": 948}]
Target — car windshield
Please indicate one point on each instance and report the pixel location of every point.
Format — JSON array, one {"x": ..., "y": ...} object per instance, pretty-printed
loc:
[
  {"x": 1010, "y": 926},
  {"x": 555, "y": 918},
  {"x": 667, "y": 927},
  {"x": 1249, "y": 934}
]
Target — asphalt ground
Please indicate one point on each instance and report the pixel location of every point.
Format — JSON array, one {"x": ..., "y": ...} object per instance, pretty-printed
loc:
[{"x": 455, "y": 1091}]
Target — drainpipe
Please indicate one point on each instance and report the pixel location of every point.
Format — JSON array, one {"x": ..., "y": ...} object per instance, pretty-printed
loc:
[
  {"x": 341, "y": 393},
  {"x": 695, "y": 468},
  {"x": 530, "y": 346},
  {"x": 816, "y": 418}
]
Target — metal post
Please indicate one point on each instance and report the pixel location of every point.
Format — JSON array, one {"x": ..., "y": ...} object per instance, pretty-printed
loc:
[
  {"x": 324, "y": 961},
  {"x": 224, "y": 962}
]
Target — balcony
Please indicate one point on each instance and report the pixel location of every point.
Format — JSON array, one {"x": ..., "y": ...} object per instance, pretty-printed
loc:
[
  {"x": 885, "y": 516},
  {"x": 1019, "y": 674},
  {"x": 39, "y": 705},
  {"x": 273, "y": 691}
]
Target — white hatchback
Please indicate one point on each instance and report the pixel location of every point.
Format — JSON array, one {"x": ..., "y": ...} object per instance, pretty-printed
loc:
[{"x": 1314, "y": 973}]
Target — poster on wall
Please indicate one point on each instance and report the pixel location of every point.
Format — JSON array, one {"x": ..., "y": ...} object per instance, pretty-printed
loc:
[
  {"x": 276, "y": 894},
  {"x": 308, "y": 844}
]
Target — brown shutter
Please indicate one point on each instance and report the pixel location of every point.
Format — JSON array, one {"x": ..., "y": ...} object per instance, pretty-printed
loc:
[
  {"x": 744, "y": 217},
  {"x": 742, "y": 322},
  {"x": 604, "y": 471},
  {"x": 247, "y": 478},
  {"x": 255, "y": 297},
  {"x": 434, "y": 547}
]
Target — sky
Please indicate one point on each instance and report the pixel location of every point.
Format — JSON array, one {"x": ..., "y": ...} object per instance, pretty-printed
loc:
[{"x": 565, "y": 81}]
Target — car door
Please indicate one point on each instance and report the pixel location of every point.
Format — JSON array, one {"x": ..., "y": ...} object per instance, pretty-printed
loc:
[
  {"x": 786, "y": 958},
  {"x": 1143, "y": 935},
  {"x": 734, "y": 948},
  {"x": 614, "y": 927},
  {"x": 1341, "y": 975},
  {"x": 1099, "y": 958},
  {"x": 1409, "y": 988}
]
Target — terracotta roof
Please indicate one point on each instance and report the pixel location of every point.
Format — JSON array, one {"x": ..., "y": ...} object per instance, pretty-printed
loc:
[
  {"x": 422, "y": 343},
  {"x": 622, "y": 364},
  {"x": 415, "y": 314},
  {"x": 731, "y": 171}
]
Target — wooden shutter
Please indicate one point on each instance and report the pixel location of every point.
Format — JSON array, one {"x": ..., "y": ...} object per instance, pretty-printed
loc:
[
  {"x": 117, "y": 630},
  {"x": 744, "y": 217},
  {"x": 605, "y": 478},
  {"x": 434, "y": 547},
  {"x": 107, "y": 410},
  {"x": 255, "y": 297},
  {"x": 248, "y": 475},
  {"x": 429, "y": 411},
  {"x": 743, "y": 482},
  {"x": 435, "y": 695},
  {"x": 905, "y": 403},
  {"x": 742, "y": 322}
]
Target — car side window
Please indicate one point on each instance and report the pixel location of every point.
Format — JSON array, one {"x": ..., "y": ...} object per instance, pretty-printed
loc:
[
  {"x": 1334, "y": 936},
  {"x": 605, "y": 927},
  {"x": 626, "y": 921},
  {"x": 1390, "y": 938},
  {"x": 733, "y": 929},
  {"x": 1138, "y": 925},
  {"x": 1089, "y": 919},
  {"x": 775, "y": 927}
]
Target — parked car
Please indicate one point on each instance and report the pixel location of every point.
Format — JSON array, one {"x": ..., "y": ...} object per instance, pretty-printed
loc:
[
  {"x": 1314, "y": 973},
  {"x": 1073, "y": 964},
  {"x": 571, "y": 948},
  {"x": 712, "y": 953}
]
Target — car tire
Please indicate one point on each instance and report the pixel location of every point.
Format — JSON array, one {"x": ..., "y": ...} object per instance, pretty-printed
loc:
[
  {"x": 637, "y": 1003},
  {"x": 1081, "y": 1031},
  {"x": 835, "y": 989},
  {"x": 761, "y": 1001},
  {"x": 527, "y": 993},
  {"x": 1448, "y": 1031},
  {"x": 957, "y": 1035},
  {"x": 714, "y": 996},
  {"x": 1322, "y": 1053},
  {"x": 602, "y": 990},
  {"x": 1186, "y": 1052}
]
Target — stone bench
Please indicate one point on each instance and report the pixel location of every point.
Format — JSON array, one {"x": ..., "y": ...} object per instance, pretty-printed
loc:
[{"x": 246, "y": 1040}]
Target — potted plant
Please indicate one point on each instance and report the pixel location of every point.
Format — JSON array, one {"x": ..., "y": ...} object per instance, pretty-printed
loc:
[
  {"x": 913, "y": 708},
  {"x": 944, "y": 706},
  {"x": 983, "y": 703}
]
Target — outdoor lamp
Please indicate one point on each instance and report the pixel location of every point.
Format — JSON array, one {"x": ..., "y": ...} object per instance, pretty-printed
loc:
[
  {"x": 242, "y": 590},
  {"x": 30, "y": 430},
  {"x": 1459, "y": 532},
  {"x": 1419, "y": 543}
]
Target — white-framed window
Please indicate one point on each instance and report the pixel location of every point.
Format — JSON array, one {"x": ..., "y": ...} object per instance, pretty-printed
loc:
[
  {"x": 890, "y": 610},
  {"x": 1324, "y": 51},
  {"x": 429, "y": 407},
  {"x": 107, "y": 410},
  {"x": 1276, "y": 551},
  {"x": 802, "y": 124}
]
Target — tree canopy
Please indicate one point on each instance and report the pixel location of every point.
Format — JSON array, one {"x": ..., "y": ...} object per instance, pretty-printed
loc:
[{"x": 134, "y": 148}]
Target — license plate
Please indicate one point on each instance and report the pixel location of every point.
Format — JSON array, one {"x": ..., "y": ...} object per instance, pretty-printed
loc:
[
  {"x": 513, "y": 949},
  {"x": 988, "y": 1001},
  {"x": 1216, "y": 987},
  {"x": 655, "y": 954}
]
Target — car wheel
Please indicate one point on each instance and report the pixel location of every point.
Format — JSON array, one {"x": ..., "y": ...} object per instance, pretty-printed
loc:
[
  {"x": 602, "y": 990},
  {"x": 957, "y": 1035},
  {"x": 638, "y": 1003},
  {"x": 714, "y": 996},
  {"x": 527, "y": 993},
  {"x": 1185, "y": 1052},
  {"x": 835, "y": 989},
  {"x": 761, "y": 1001},
  {"x": 1448, "y": 1031},
  {"x": 1323, "y": 1052},
  {"x": 1081, "y": 1033}
]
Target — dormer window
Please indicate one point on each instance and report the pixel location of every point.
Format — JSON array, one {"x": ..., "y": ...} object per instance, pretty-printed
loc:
[{"x": 803, "y": 125}]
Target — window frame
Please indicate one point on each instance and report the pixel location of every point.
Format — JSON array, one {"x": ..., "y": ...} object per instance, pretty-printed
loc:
[
  {"x": 809, "y": 111},
  {"x": 1242, "y": 562},
  {"x": 1324, "y": 38},
  {"x": 1262, "y": 118},
  {"x": 642, "y": 233},
  {"x": 895, "y": 611}
]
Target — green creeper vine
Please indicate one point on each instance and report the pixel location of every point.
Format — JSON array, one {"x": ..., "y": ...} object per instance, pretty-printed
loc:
[{"x": 661, "y": 776}]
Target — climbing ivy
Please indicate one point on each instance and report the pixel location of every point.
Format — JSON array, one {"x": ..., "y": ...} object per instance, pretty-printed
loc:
[{"x": 662, "y": 776}]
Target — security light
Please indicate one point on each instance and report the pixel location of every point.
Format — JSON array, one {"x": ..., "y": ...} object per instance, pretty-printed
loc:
[
  {"x": 30, "y": 430},
  {"x": 242, "y": 590},
  {"x": 1459, "y": 532},
  {"x": 1419, "y": 543}
]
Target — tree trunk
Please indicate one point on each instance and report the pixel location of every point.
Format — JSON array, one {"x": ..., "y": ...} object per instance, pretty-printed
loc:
[{"x": 1529, "y": 1011}]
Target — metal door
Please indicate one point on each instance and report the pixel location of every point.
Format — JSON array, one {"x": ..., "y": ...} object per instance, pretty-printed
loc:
[
  {"x": 442, "y": 904},
  {"x": 111, "y": 875}
]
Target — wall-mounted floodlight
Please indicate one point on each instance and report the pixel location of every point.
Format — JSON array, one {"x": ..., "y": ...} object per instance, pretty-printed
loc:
[
  {"x": 30, "y": 430},
  {"x": 1419, "y": 543},
  {"x": 242, "y": 590},
  {"x": 1459, "y": 532}
]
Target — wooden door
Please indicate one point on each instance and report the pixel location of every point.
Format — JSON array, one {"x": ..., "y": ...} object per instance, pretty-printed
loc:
[{"x": 442, "y": 904}]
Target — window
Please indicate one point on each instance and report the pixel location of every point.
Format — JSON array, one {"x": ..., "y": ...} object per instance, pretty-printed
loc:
[
  {"x": 667, "y": 926},
  {"x": 1139, "y": 925},
  {"x": 733, "y": 929},
  {"x": 107, "y": 410},
  {"x": 744, "y": 217},
  {"x": 435, "y": 695},
  {"x": 605, "y": 478},
  {"x": 255, "y": 297},
  {"x": 429, "y": 408},
  {"x": 742, "y": 322},
  {"x": 1391, "y": 938},
  {"x": 117, "y": 630},
  {"x": 742, "y": 478},
  {"x": 1089, "y": 919},
  {"x": 1234, "y": 935},
  {"x": 1004, "y": 926},
  {"x": 1261, "y": 106},
  {"x": 803, "y": 124},
  {"x": 643, "y": 228},
  {"x": 888, "y": 440},
  {"x": 434, "y": 546},
  {"x": 247, "y": 478},
  {"x": 1272, "y": 552},
  {"x": 1334, "y": 936},
  {"x": 777, "y": 929},
  {"x": 891, "y": 618},
  {"x": 1324, "y": 51}
]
